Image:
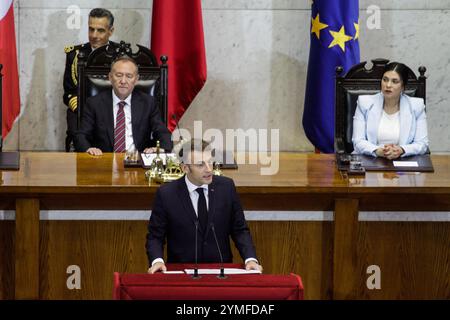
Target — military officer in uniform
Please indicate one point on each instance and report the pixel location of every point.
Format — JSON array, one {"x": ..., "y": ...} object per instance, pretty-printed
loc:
[{"x": 101, "y": 27}]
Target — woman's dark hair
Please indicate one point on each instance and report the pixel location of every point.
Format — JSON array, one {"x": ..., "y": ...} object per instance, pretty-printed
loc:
[{"x": 401, "y": 69}]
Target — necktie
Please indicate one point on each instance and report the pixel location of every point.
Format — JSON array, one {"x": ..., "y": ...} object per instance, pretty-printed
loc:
[
  {"x": 202, "y": 210},
  {"x": 119, "y": 130}
]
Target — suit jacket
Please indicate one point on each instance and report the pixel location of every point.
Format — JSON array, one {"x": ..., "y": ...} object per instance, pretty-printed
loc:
[
  {"x": 413, "y": 125},
  {"x": 173, "y": 219},
  {"x": 97, "y": 123}
]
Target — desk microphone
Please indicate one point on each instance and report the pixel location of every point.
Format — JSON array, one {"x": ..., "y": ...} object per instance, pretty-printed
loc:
[
  {"x": 196, "y": 276},
  {"x": 174, "y": 117},
  {"x": 222, "y": 270}
]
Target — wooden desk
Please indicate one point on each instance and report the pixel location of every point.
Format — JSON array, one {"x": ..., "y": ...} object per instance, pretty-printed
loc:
[{"x": 50, "y": 181}]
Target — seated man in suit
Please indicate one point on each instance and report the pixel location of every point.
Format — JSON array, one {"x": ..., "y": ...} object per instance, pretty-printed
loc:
[
  {"x": 121, "y": 119},
  {"x": 198, "y": 206}
]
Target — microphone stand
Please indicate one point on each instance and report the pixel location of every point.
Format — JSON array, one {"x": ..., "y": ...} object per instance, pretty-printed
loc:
[
  {"x": 222, "y": 269},
  {"x": 196, "y": 275}
]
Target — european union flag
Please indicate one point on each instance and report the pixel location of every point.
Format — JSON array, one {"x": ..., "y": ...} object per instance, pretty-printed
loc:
[{"x": 334, "y": 42}]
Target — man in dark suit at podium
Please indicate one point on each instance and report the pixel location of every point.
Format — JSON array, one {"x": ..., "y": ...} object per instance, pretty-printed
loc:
[
  {"x": 194, "y": 210},
  {"x": 121, "y": 119}
]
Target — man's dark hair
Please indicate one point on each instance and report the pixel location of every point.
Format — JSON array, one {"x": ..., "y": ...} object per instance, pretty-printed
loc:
[
  {"x": 102, "y": 13},
  {"x": 190, "y": 146},
  {"x": 125, "y": 58},
  {"x": 401, "y": 69}
]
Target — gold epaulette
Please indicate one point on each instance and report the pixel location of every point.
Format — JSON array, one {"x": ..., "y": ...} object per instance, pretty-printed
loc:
[{"x": 68, "y": 49}]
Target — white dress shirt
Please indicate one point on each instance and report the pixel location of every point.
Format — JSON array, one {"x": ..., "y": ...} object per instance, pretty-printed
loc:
[
  {"x": 194, "y": 194},
  {"x": 389, "y": 129},
  {"x": 129, "y": 142}
]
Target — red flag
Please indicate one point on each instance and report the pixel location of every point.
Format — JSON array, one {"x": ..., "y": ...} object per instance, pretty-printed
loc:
[
  {"x": 177, "y": 32},
  {"x": 8, "y": 58}
]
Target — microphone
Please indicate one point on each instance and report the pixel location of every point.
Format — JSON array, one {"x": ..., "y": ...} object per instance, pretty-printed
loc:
[
  {"x": 196, "y": 275},
  {"x": 174, "y": 117},
  {"x": 222, "y": 270}
]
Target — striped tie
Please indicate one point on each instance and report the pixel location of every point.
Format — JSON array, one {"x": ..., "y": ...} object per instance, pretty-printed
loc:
[{"x": 119, "y": 130}]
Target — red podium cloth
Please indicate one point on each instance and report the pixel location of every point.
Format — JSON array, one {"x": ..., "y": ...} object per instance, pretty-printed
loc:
[{"x": 183, "y": 287}]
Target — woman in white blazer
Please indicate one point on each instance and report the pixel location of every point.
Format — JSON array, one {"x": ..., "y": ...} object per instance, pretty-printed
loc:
[{"x": 390, "y": 124}]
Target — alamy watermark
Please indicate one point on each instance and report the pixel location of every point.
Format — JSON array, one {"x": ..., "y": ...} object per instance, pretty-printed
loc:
[
  {"x": 374, "y": 17},
  {"x": 374, "y": 280},
  {"x": 73, "y": 21},
  {"x": 74, "y": 280},
  {"x": 253, "y": 146}
]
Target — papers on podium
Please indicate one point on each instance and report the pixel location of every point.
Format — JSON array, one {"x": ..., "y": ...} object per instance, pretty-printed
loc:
[{"x": 228, "y": 271}]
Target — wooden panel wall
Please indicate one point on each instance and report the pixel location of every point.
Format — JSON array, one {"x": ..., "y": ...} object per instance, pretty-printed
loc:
[
  {"x": 98, "y": 247},
  {"x": 414, "y": 257}
]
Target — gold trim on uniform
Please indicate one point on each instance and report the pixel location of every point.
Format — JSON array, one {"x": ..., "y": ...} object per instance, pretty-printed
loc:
[
  {"x": 74, "y": 69},
  {"x": 73, "y": 103}
]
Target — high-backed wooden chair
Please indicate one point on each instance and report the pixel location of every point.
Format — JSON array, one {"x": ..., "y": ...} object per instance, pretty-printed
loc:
[{"x": 360, "y": 80}]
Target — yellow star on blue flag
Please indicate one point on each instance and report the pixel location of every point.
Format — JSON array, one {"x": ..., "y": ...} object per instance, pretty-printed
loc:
[
  {"x": 316, "y": 26},
  {"x": 339, "y": 38}
]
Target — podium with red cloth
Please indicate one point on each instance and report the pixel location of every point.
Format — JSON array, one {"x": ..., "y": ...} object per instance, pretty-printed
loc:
[{"x": 163, "y": 286}]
